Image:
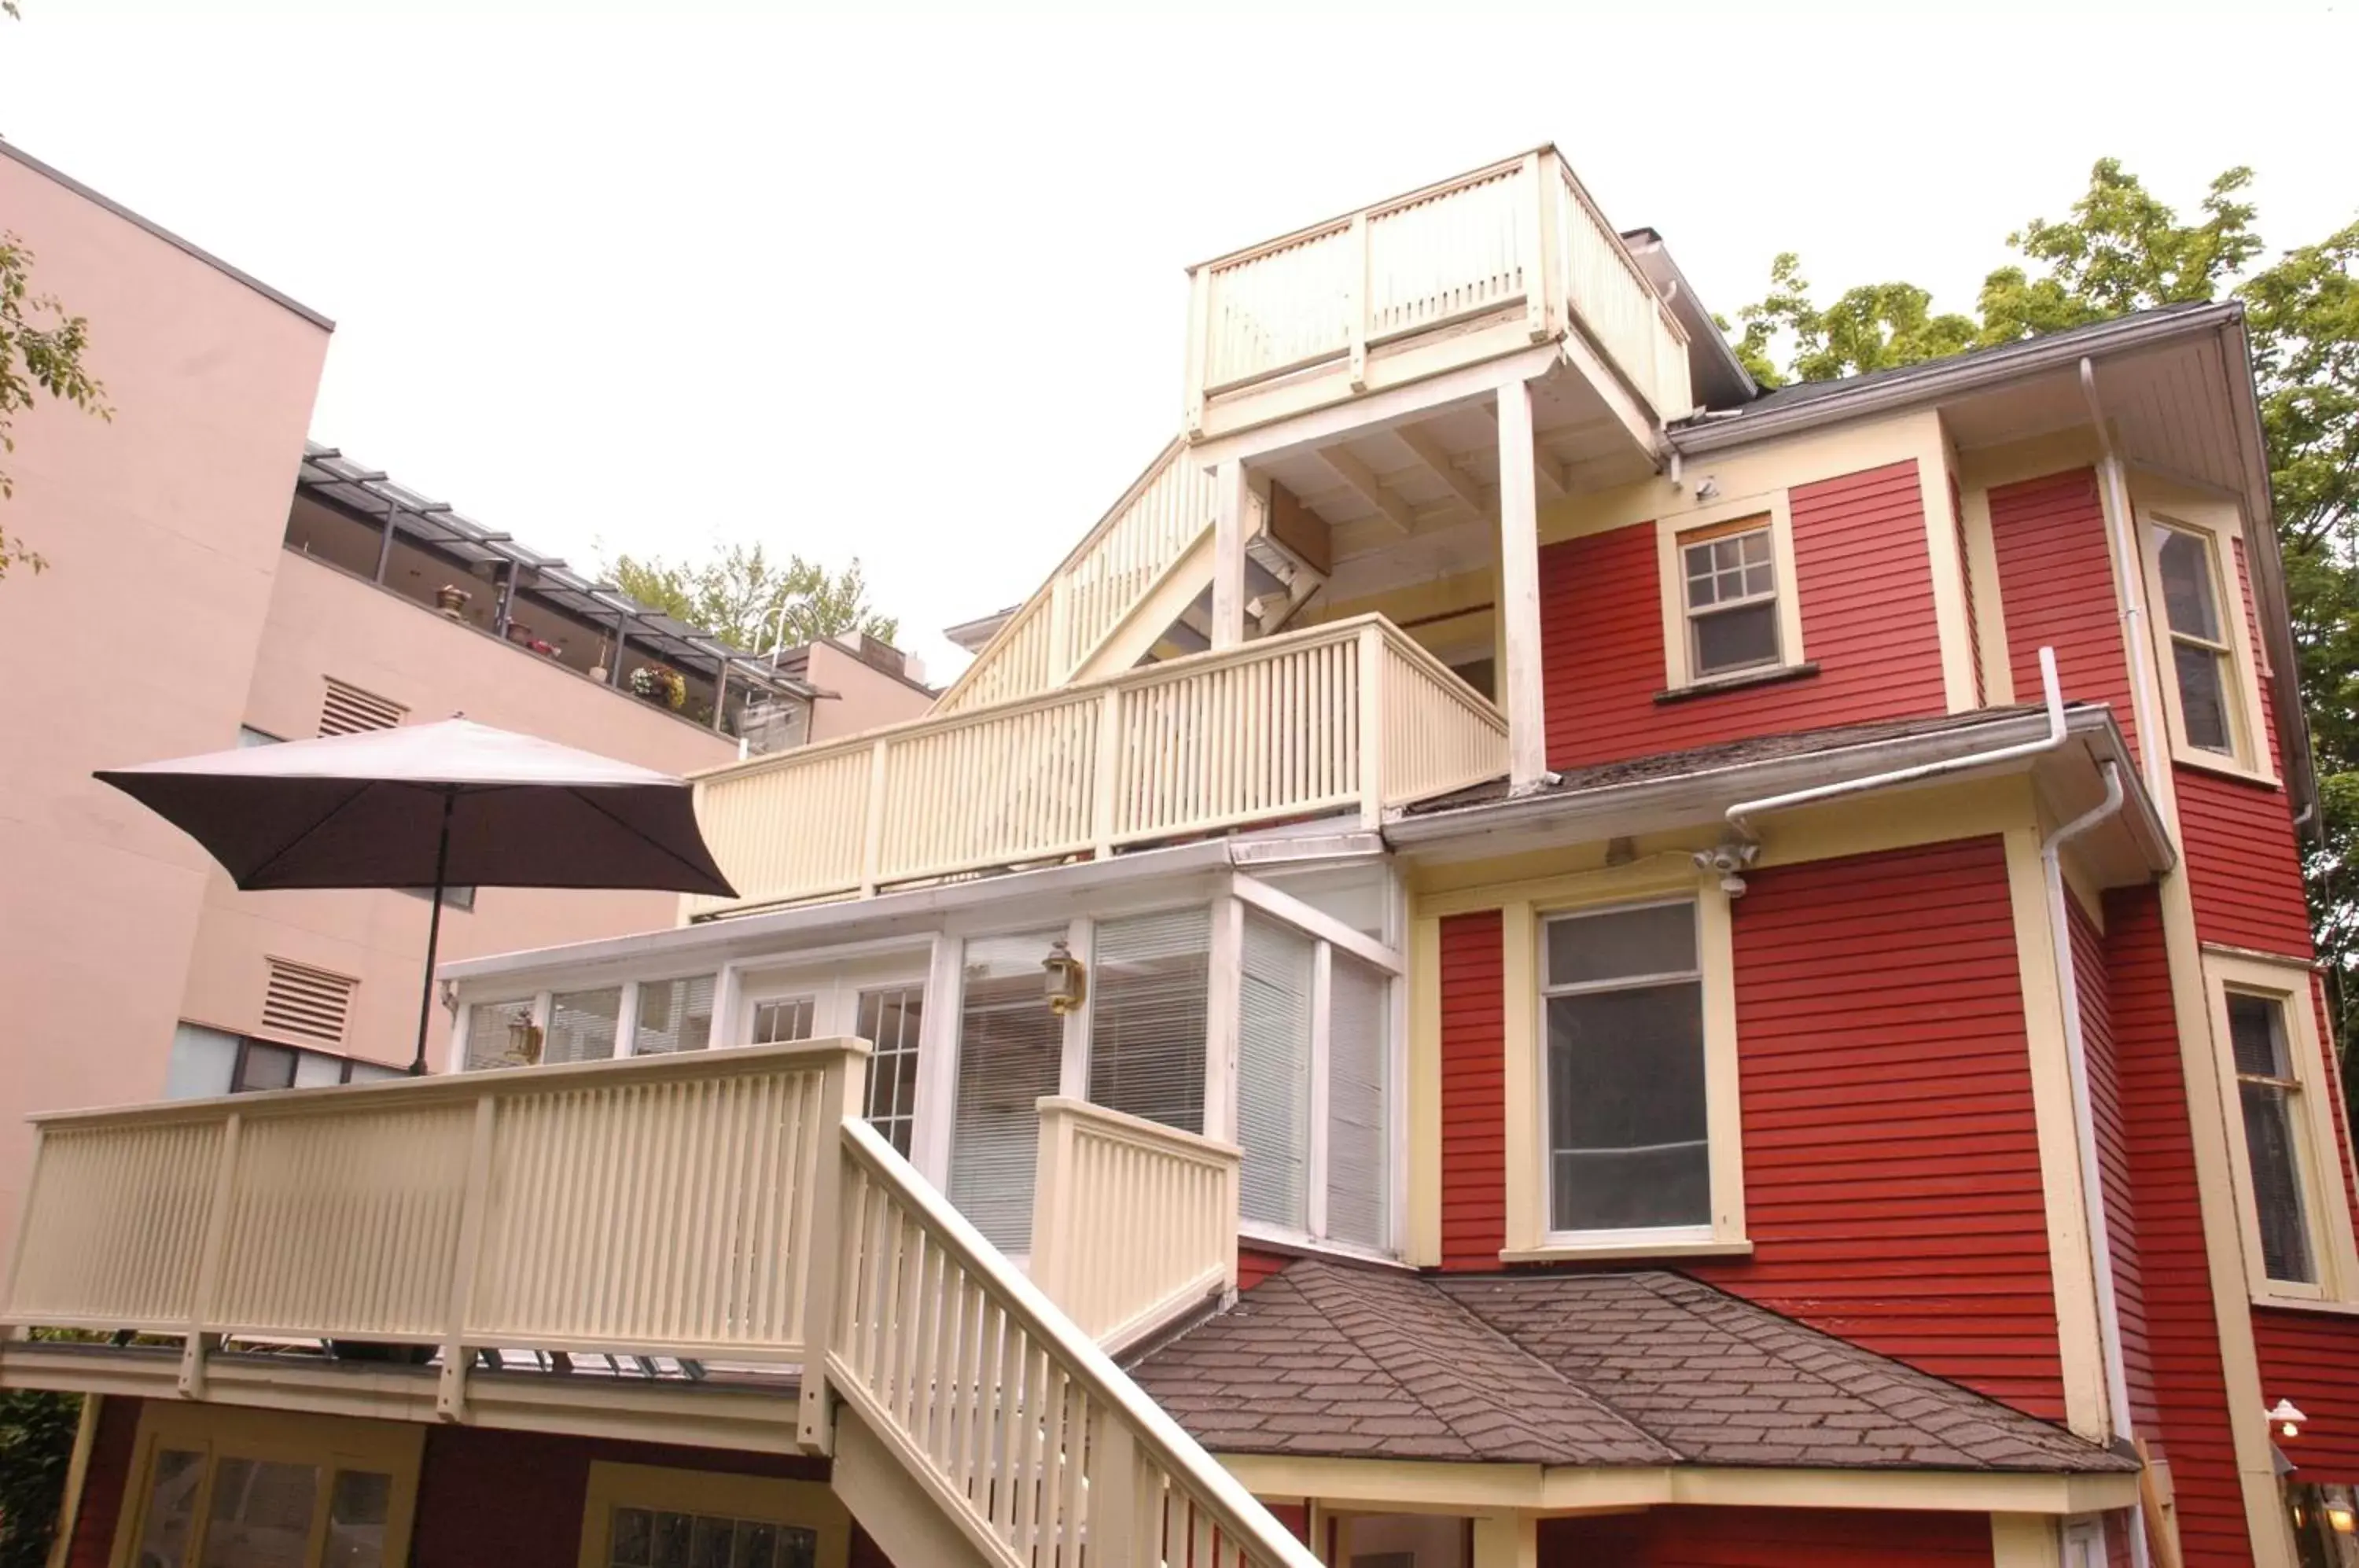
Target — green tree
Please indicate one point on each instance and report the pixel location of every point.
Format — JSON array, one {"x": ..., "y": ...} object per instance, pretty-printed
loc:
[
  {"x": 2122, "y": 249},
  {"x": 744, "y": 597},
  {"x": 41, "y": 350},
  {"x": 37, "y": 1433}
]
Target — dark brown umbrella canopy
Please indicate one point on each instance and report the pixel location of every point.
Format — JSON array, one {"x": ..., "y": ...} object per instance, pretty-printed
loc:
[{"x": 367, "y": 811}]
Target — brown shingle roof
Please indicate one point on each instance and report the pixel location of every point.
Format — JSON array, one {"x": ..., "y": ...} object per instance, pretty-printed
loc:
[{"x": 1581, "y": 1369}]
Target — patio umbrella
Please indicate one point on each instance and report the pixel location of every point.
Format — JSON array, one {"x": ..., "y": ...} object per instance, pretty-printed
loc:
[{"x": 432, "y": 806}]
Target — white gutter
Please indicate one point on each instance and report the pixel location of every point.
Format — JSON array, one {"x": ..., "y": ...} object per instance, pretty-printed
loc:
[
  {"x": 2084, "y": 1127},
  {"x": 1739, "y": 814},
  {"x": 2153, "y": 747}
]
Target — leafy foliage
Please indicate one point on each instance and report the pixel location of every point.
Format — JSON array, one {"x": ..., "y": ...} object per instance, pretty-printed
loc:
[
  {"x": 2122, "y": 249},
  {"x": 37, "y": 1436},
  {"x": 41, "y": 350},
  {"x": 741, "y": 594}
]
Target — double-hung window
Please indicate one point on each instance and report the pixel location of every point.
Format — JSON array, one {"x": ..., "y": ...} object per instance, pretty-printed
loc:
[
  {"x": 1729, "y": 588},
  {"x": 1627, "y": 1116},
  {"x": 2203, "y": 651},
  {"x": 2274, "y": 1064}
]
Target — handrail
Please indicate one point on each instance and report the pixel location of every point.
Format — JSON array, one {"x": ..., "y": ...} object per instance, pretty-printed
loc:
[{"x": 905, "y": 1388}]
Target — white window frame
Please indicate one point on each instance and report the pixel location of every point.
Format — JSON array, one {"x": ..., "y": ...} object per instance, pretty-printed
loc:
[
  {"x": 2216, "y": 526},
  {"x": 1528, "y": 1236},
  {"x": 2326, "y": 1208},
  {"x": 1678, "y": 642},
  {"x": 1328, "y": 935}
]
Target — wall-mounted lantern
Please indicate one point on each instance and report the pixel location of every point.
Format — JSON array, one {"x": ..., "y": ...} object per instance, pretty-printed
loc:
[
  {"x": 2287, "y": 1418},
  {"x": 1069, "y": 982}
]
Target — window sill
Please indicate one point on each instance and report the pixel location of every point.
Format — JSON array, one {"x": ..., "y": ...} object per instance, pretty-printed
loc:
[
  {"x": 2224, "y": 767},
  {"x": 1263, "y": 1237},
  {"x": 2306, "y": 1304},
  {"x": 1740, "y": 682},
  {"x": 1611, "y": 1250}
]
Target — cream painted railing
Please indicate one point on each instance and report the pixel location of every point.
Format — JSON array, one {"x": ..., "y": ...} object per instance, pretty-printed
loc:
[
  {"x": 1521, "y": 235},
  {"x": 1349, "y": 715},
  {"x": 1132, "y": 1223},
  {"x": 1166, "y": 510},
  {"x": 725, "y": 1204},
  {"x": 1016, "y": 1423},
  {"x": 659, "y": 1205}
]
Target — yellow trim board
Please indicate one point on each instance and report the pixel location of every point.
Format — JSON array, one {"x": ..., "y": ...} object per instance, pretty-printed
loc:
[{"x": 1397, "y": 1486}]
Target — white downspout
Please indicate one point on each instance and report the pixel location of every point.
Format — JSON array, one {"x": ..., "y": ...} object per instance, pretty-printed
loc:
[
  {"x": 2052, "y": 695},
  {"x": 2153, "y": 749},
  {"x": 2084, "y": 1125}
]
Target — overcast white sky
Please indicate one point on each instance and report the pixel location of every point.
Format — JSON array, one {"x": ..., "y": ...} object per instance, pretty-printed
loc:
[{"x": 908, "y": 287}]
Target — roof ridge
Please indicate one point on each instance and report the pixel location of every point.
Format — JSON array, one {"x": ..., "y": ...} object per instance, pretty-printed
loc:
[
  {"x": 1744, "y": 1318},
  {"x": 1602, "y": 1401},
  {"x": 1320, "y": 1268}
]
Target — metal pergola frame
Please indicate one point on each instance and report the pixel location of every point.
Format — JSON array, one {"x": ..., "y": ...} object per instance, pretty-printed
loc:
[{"x": 371, "y": 496}]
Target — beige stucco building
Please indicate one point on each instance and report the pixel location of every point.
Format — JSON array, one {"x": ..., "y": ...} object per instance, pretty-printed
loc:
[{"x": 213, "y": 579}]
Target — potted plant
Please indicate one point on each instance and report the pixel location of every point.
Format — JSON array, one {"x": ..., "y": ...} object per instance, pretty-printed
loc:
[{"x": 452, "y": 599}]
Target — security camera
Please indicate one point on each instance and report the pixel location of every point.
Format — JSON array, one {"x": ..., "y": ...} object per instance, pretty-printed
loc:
[{"x": 1728, "y": 862}]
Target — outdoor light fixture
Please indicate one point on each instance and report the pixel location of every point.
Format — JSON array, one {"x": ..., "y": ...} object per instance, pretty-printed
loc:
[
  {"x": 2288, "y": 1419},
  {"x": 1729, "y": 863},
  {"x": 2340, "y": 1519},
  {"x": 1069, "y": 982}
]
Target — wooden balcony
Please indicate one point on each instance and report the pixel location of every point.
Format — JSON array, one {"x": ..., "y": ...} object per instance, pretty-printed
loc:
[
  {"x": 1447, "y": 276},
  {"x": 1349, "y": 716},
  {"x": 727, "y": 1206}
]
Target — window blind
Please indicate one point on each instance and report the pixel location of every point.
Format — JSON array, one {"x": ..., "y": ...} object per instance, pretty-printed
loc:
[
  {"x": 1359, "y": 1142},
  {"x": 1274, "y": 1075},
  {"x": 674, "y": 1015},
  {"x": 1147, "y": 1022},
  {"x": 1011, "y": 1048},
  {"x": 581, "y": 1025}
]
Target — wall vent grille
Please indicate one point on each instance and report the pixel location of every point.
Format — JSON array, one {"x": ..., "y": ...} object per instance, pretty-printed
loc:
[
  {"x": 307, "y": 1004},
  {"x": 348, "y": 710}
]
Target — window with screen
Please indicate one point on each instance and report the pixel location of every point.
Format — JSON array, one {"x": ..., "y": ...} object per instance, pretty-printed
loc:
[
  {"x": 1628, "y": 1138},
  {"x": 2268, "y": 1090},
  {"x": 1729, "y": 576},
  {"x": 2201, "y": 653}
]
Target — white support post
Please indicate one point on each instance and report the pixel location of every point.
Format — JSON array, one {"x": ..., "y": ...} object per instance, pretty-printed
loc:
[
  {"x": 1108, "y": 780},
  {"x": 1355, "y": 309},
  {"x": 208, "y": 1261},
  {"x": 1538, "y": 243},
  {"x": 1073, "y": 1073},
  {"x": 1519, "y": 593},
  {"x": 626, "y": 1021},
  {"x": 1371, "y": 659},
  {"x": 1113, "y": 1493},
  {"x": 1223, "y": 1010},
  {"x": 1229, "y": 554},
  {"x": 1199, "y": 283},
  {"x": 872, "y": 842},
  {"x": 938, "y": 1054},
  {"x": 451, "y": 1391},
  {"x": 843, "y": 1088}
]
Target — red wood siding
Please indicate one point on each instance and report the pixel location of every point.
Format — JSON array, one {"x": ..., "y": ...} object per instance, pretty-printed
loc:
[
  {"x": 2243, "y": 865},
  {"x": 516, "y": 1498},
  {"x": 1474, "y": 1093},
  {"x": 1768, "y": 1538},
  {"x": 103, "y": 1484},
  {"x": 2312, "y": 1358},
  {"x": 1254, "y": 1267},
  {"x": 1891, "y": 1158},
  {"x": 2095, "y": 984},
  {"x": 2055, "y": 588},
  {"x": 1866, "y": 594},
  {"x": 2182, "y": 1332}
]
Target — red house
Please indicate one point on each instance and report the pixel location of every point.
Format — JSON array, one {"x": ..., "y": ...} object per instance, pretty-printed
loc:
[{"x": 1531, "y": 955}]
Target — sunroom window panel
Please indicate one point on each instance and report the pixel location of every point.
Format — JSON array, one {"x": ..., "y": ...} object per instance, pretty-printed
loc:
[
  {"x": 501, "y": 1034},
  {"x": 784, "y": 1021},
  {"x": 1011, "y": 1050},
  {"x": 1274, "y": 1075},
  {"x": 1152, "y": 979},
  {"x": 1359, "y": 1136},
  {"x": 581, "y": 1025},
  {"x": 673, "y": 1015}
]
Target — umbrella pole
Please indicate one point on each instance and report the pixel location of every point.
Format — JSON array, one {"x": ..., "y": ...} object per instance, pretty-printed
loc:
[{"x": 433, "y": 935}]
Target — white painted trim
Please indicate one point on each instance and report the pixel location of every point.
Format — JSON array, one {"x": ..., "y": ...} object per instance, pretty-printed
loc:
[
  {"x": 1521, "y": 680},
  {"x": 1314, "y": 921},
  {"x": 1223, "y": 1017},
  {"x": 938, "y": 1053},
  {"x": 1073, "y": 1072},
  {"x": 1315, "y": 1175}
]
